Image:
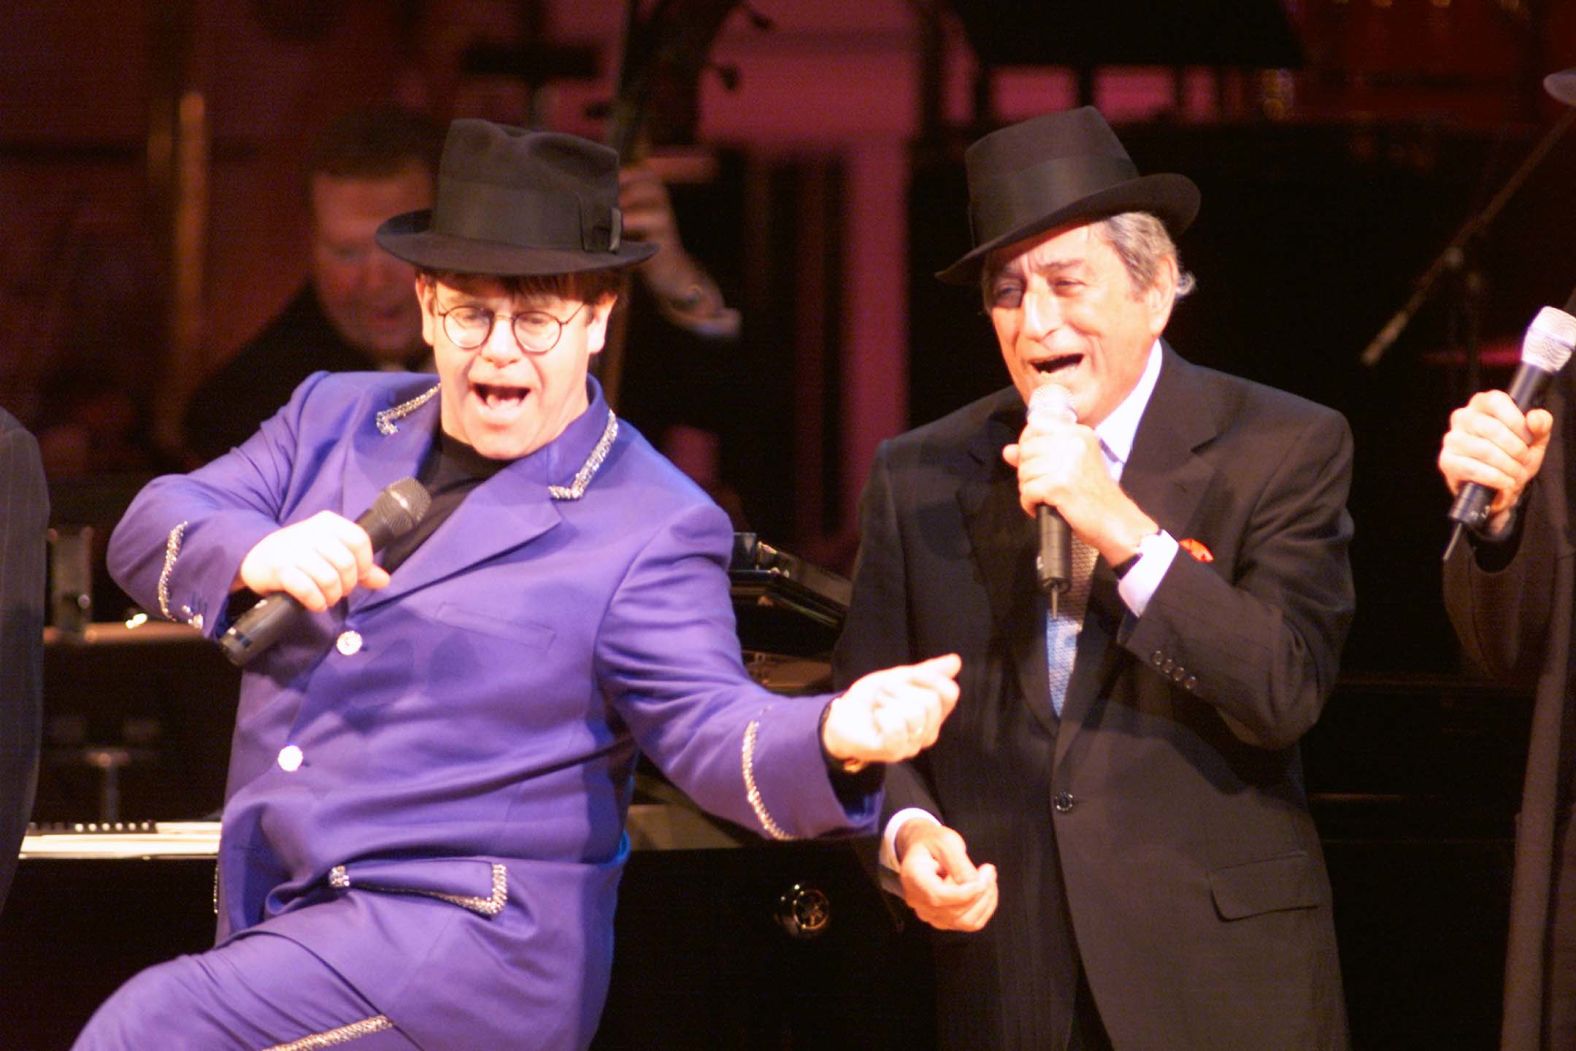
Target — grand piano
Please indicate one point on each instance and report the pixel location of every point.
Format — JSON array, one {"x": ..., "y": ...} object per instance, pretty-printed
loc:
[{"x": 724, "y": 940}]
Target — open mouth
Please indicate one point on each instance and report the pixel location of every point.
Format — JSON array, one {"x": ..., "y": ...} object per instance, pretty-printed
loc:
[
  {"x": 1051, "y": 366},
  {"x": 500, "y": 400}
]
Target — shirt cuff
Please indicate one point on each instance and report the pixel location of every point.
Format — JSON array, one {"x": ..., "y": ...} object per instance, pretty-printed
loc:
[
  {"x": 894, "y": 824},
  {"x": 1489, "y": 535},
  {"x": 1139, "y": 584}
]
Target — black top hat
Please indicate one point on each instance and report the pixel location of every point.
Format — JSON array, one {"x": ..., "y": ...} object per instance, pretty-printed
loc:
[
  {"x": 1562, "y": 85},
  {"x": 1053, "y": 170},
  {"x": 515, "y": 203}
]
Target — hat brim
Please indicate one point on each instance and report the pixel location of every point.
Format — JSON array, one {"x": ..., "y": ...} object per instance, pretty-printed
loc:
[
  {"x": 408, "y": 237},
  {"x": 1173, "y": 199}
]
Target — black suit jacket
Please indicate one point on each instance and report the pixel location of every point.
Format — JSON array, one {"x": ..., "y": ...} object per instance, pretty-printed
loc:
[
  {"x": 24, "y": 520},
  {"x": 1157, "y": 834},
  {"x": 1513, "y": 605}
]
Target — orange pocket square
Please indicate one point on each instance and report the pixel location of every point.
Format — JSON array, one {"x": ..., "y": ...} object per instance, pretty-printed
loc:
[{"x": 1196, "y": 549}]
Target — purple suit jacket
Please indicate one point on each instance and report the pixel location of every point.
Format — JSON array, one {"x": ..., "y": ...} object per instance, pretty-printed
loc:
[{"x": 452, "y": 838}]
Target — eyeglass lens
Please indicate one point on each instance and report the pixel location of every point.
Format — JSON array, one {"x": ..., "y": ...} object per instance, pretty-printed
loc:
[{"x": 468, "y": 327}]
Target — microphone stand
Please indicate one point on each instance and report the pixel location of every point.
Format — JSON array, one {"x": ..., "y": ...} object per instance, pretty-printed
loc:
[{"x": 1453, "y": 260}]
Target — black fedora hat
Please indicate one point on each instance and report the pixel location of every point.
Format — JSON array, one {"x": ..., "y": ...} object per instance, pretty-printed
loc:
[
  {"x": 1053, "y": 170},
  {"x": 516, "y": 203},
  {"x": 1562, "y": 85}
]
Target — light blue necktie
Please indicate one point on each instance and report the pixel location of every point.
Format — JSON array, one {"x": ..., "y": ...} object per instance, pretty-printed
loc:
[{"x": 1061, "y": 630}]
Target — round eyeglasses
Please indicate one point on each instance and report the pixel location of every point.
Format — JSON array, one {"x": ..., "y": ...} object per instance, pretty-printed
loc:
[{"x": 536, "y": 331}]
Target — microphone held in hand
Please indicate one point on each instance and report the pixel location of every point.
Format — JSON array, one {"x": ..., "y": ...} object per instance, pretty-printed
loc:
[
  {"x": 1544, "y": 351},
  {"x": 394, "y": 513},
  {"x": 1052, "y": 403}
]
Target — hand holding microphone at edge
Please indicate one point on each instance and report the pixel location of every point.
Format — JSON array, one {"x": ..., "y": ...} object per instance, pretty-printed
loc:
[{"x": 1496, "y": 442}]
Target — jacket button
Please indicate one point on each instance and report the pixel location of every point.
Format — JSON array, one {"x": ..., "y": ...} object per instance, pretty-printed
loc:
[
  {"x": 348, "y": 643},
  {"x": 1063, "y": 802},
  {"x": 1168, "y": 666},
  {"x": 1178, "y": 674},
  {"x": 1190, "y": 684},
  {"x": 290, "y": 758},
  {"x": 1157, "y": 658}
]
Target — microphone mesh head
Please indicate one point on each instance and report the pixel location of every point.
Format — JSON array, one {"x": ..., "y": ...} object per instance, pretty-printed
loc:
[
  {"x": 1051, "y": 402},
  {"x": 402, "y": 505},
  {"x": 1549, "y": 340}
]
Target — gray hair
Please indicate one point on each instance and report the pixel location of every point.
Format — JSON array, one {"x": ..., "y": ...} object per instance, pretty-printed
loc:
[{"x": 1140, "y": 240}]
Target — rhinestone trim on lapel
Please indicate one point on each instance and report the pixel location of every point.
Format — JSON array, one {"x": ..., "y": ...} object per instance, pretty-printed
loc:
[
  {"x": 577, "y": 488},
  {"x": 388, "y": 419}
]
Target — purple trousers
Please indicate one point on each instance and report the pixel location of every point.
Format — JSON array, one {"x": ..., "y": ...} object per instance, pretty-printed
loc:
[{"x": 256, "y": 992}]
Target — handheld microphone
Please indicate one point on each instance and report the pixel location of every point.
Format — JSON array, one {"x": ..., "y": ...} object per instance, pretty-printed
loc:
[
  {"x": 1052, "y": 403},
  {"x": 394, "y": 513},
  {"x": 1544, "y": 351}
]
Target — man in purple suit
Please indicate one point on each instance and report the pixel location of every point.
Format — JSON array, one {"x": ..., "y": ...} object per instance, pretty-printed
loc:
[{"x": 424, "y": 822}]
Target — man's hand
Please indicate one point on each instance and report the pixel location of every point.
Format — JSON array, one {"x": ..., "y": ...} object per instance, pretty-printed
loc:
[
  {"x": 684, "y": 291},
  {"x": 890, "y": 715},
  {"x": 1492, "y": 443},
  {"x": 318, "y": 561},
  {"x": 1059, "y": 465},
  {"x": 648, "y": 216},
  {"x": 940, "y": 883}
]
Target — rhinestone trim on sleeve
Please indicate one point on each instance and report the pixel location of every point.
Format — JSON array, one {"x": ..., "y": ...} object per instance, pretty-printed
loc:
[
  {"x": 752, "y": 791},
  {"x": 172, "y": 551},
  {"x": 342, "y": 1035}
]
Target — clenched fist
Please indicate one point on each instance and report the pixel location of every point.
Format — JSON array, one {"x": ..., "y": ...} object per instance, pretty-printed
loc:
[
  {"x": 318, "y": 561},
  {"x": 890, "y": 715}
]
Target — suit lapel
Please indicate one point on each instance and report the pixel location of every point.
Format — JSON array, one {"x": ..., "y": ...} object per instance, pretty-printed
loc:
[
  {"x": 1002, "y": 541},
  {"x": 390, "y": 446},
  {"x": 1166, "y": 477},
  {"x": 509, "y": 509}
]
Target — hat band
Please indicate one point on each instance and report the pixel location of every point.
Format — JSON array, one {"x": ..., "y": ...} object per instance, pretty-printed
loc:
[
  {"x": 1005, "y": 204},
  {"x": 482, "y": 211}
]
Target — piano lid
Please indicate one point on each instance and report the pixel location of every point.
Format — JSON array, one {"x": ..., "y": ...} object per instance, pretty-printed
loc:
[{"x": 785, "y": 605}]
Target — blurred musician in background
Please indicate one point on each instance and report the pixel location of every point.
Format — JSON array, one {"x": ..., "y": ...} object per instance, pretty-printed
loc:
[
  {"x": 24, "y": 523},
  {"x": 356, "y": 310},
  {"x": 424, "y": 823}
]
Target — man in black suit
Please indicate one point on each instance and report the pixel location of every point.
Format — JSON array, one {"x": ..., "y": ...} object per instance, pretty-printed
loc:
[
  {"x": 24, "y": 520},
  {"x": 1124, "y": 856},
  {"x": 1510, "y": 591}
]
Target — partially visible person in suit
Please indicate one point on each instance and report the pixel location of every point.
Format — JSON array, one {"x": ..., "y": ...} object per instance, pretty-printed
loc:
[
  {"x": 424, "y": 824},
  {"x": 1111, "y": 835},
  {"x": 356, "y": 310},
  {"x": 1510, "y": 592},
  {"x": 24, "y": 522}
]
